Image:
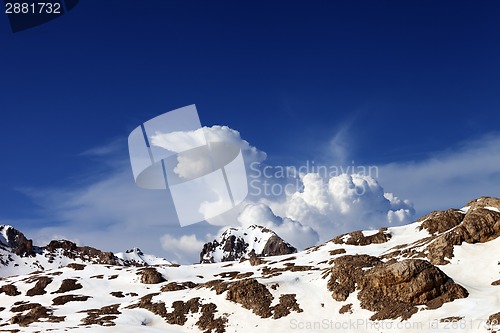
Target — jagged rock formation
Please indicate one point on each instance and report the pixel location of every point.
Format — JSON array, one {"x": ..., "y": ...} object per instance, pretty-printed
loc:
[
  {"x": 363, "y": 238},
  {"x": 18, "y": 253},
  {"x": 237, "y": 243},
  {"x": 478, "y": 222},
  {"x": 16, "y": 241}
]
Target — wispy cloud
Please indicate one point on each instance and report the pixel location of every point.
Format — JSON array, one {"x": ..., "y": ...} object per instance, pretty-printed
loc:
[{"x": 449, "y": 178}]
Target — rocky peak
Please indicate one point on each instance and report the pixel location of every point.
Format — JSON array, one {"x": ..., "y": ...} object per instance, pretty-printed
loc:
[
  {"x": 484, "y": 202},
  {"x": 16, "y": 241},
  {"x": 477, "y": 222},
  {"x": 237, "y": 243}
]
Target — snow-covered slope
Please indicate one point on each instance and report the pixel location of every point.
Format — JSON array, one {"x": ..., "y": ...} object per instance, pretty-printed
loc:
[
  {"x": 135, "y": 257},
  {"x": 19, "y": 256},
  {"x": 438, "y": 274}
]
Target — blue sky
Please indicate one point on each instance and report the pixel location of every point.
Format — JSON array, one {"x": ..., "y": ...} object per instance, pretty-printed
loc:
[{"x": 412, "y": 87}]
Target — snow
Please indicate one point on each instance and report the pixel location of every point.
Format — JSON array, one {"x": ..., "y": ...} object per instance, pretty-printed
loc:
[
  {"x": 3, "y": 232},
  {"x": 367, "y": 233},
  {"x": 255, "y": 236},
  {"x": 465, "y": 209},
  {"x": 473, "y": 266},
  {"x": 495, "y": 209},
  {"x": 136, "y": 255}
]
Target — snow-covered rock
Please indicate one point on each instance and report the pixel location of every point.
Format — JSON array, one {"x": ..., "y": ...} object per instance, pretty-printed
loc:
[{"x": 237, "y": 243}]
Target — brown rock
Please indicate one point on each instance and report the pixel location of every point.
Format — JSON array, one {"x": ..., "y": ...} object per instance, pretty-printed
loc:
[
  {"x": 61, "y": 300},
  {"x": 345, "y": 272},
  {"x": 35, "y": 314},
  {"x": 337, "y": 251},
  {"x": 39, "y": 288},
  {"x": 478, "y": 226},
  {"x": 441, "y": 221},
  {"x": 118, "y": 294},
  {"x": 103, "y": 316},
  {"x": 208, "y": 322},
  {"x": 346, "y": 308},
  {"x": 76, "y": 267},
  {"x": 251, "y": 295},
  {"x": 393, "y": 289},
  {"x": 287, "y": 304},
  {"x": 275, "y": 246},
  {"x": 175, "y": 286},
  {"x": 358, "y": 238},
  {"x": 255, "y": 261},
  {"x": 9, "y": 290},
  {"x": 18, "y": 243},
  {"x": 151, "y": 276},
  {"x": 494, "y": 319},
  {"x": 68, "y": 285}
]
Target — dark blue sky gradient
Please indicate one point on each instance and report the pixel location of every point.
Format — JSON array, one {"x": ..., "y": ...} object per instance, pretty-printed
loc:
[{"x": 410, "y": 77}]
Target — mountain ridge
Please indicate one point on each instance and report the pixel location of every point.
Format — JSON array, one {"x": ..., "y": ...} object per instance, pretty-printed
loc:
[{"x": 438, "y": 272}]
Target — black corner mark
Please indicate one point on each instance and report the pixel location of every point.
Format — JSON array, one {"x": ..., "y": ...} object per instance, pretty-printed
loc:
[{"x": 26, "y": 14}]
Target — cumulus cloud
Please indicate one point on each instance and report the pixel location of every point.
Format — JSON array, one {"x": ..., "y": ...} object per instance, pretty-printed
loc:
[
  {"x": 342, "y": 204},
  {"x": 110, "y": 212},
  {"x": 294, "y": 232},
  {"x": 113, "y": 214},
  {"x": 182, "y": 249},
  {"x": 192, "y": 164},
  {"x": 179, "y": 141}
]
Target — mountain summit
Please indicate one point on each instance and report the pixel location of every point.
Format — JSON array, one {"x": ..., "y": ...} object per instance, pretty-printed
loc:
[{"x": 238, "y": 243}]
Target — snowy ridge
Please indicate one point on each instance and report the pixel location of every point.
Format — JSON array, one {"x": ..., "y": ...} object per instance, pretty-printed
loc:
[
  {"x": 238, "y": 243},
  {"x": 293, "y": 292},
  {"x": 19, "y": 256},
  {"x": 137, "y": 258}
]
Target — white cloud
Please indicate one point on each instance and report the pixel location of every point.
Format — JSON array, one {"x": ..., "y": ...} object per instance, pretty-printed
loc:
[
  {"x": 291, "y": 231},
  {"x": 113, "y": 214},
  {"x": 196, "y": 163},
  {"x": 179, "y": 141},
  {"x": 449, "y": 178},
  {"x": 182, "y": 249},
  {"x": 343, "y": 203}
]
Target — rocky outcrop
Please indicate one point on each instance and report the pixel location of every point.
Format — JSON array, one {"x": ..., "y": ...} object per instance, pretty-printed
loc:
[
  {"x": 237, "y": 243},
  {"x": 40, "y": 285},
  {"x": 391, "y": 289},
  {"x": 68, "y": 285},
  {"x": 359, "y": 238},
  {"x": 275, "y": 246},
  {"x": 85, "y": 253},
  {"x": 207, "y": 321},
  {"x": 36, "y": 313},
  {"x": 151, "y": 276},
  {"x": 441, "y": 221},
  {"x": 16, "y": 241},
  {"x": 9, "y": 290},
  {"x": 251, "y": 295},
  {"x": 478, "y": 223},
  {"x": 103, "y": 316}
]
